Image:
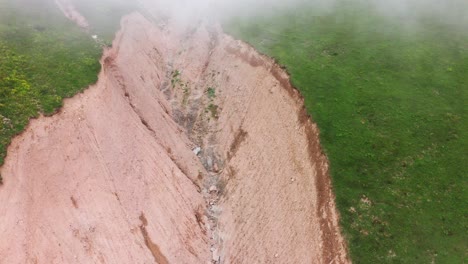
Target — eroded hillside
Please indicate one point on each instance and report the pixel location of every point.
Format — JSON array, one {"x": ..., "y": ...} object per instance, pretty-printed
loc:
[{"x": 191, "y": 148}]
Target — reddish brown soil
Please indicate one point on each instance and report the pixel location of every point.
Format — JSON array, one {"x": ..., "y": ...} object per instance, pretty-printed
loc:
[{"x": 113, "y": 177}]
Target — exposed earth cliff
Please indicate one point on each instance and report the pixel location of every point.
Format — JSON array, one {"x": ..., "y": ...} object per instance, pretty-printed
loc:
[{"x": 191, "y": 148}]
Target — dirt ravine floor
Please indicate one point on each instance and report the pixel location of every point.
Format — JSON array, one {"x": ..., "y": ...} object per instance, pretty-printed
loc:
[{"x": 191, "y": 148}]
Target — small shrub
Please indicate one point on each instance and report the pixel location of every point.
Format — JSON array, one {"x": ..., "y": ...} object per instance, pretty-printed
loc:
[
  {"x": 175, "y": 78},
  {"x": 211, "y": 92},
  {"x": 213, "y": 109}
]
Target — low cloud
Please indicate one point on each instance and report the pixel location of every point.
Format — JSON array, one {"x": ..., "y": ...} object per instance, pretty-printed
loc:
[{"x": 447, "y": 11}]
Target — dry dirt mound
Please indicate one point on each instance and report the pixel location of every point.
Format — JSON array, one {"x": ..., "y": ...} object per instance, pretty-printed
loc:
[{"x": 191, "y": 148}]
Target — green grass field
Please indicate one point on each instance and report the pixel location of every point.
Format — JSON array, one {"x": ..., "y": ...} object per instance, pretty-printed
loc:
[
  {"x": 391, "y": 103},
  {"x": 43, "y": 58}
]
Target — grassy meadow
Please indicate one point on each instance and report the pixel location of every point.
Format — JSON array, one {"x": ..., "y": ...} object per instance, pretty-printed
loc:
[
  {"x": 43, "y": 58},
  {"x": 390, "y": 98}
]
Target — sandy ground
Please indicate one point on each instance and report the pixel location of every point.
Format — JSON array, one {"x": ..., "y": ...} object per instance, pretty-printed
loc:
[{"x": 114, "y": 178}]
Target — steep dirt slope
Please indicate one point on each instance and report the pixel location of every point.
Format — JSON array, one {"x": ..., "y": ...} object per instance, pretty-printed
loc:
[
  {"x": 107, "y": 180},
  {"x": 191, "y": 148},
  {"x": 277, "y": 193}
]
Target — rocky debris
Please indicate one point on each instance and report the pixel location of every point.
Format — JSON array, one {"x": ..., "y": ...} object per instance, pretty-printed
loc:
[
  {"x": 213, "y": 189},
  {"x": 197, "y": 151},
  {"x": 215, "y": 167},
  {"x": 209, "y": 163},
  {"x": 216, "y": 257}
]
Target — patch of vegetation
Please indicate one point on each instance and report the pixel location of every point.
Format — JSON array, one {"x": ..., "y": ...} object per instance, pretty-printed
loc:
[
  {"x": 391, "y": 105},
  {"x": 213, "y": 109},
  {"x": 175, "y": 78},
  {"x": 211, "y": 92},
  {"x": 43, "y": 58},
  {"x": 176, "y": 82}
]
